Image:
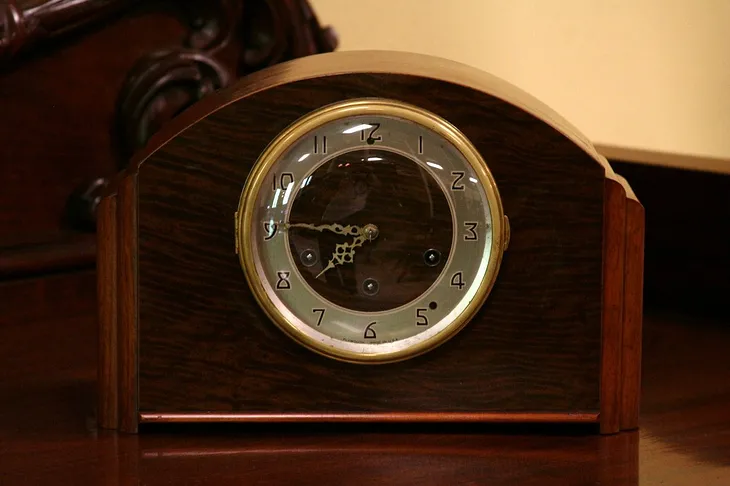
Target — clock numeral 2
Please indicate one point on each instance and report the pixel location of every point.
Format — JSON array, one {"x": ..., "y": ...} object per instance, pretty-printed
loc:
[
  {"x": 317, "y": 148},
  {"x": 321, "y": 315},
  {"x": 457, "y": 185},
  {"x": 471, "y": 228},
  {"x": 283, "y": 282},
  {"x": 369, "y": 331},
  {"x": 283, "y": 181},
  {"x": 457, "y": 280},
  {"x": 421, "y": 319}
]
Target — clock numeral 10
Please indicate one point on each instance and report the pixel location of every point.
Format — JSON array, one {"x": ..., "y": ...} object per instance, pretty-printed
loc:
[
  {"x": 283, "y": 181},
  {"x": 457, "y": 280},
  {"x": 369, "y": 331}
]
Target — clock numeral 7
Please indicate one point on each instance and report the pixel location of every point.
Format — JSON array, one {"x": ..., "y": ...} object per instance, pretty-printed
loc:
[{"x": 321, "y": 315}]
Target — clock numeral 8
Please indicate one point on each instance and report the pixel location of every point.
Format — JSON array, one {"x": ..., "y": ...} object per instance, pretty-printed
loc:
[{"x": 283, "y": 282}]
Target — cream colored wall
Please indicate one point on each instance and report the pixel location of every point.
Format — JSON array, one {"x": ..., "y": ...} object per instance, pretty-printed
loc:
[{"x": 639, "y": 74}]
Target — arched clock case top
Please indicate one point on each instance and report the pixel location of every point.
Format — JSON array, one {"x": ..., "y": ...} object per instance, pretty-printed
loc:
[{"x": 183, "y": 339}]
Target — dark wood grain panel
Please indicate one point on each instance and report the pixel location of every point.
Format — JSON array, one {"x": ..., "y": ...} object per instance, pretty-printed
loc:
[
  {"x": 106, "y": 271},
  {"x": 47, "y": 437},
  {"x": 225, "y": 356},
  {"x": 631, "y": 348},
  {"x": 127, "y": 303},
  {"x": 613, "y": 304}
]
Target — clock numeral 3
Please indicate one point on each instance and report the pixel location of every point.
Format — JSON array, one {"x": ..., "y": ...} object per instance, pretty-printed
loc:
[
  {"x": 369, "y": 331},
  {"x": 321, "y": 315},
  {"x": 457, "y": 185},
  {"x": 471, "y": 229},
  {"x": 457, "y": 280},
  {"x": 283, "y": 282},
  {"x": 421, "y": 319}
]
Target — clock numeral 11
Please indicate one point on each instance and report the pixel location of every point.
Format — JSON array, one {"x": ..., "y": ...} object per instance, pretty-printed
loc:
[{"x": 320, "y": 149}]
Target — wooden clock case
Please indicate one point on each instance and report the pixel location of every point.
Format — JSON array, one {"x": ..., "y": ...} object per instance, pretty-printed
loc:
[{"x": 182, "y": 339}]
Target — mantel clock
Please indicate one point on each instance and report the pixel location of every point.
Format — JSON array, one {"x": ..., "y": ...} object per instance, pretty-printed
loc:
[{"x": 370, "y": 236}]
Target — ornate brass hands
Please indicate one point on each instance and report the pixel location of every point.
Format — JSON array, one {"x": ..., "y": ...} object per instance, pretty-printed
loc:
[{"x": 344, "y": 252}]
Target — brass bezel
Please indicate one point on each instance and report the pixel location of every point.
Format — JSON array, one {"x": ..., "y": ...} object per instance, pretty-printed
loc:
[{"x": 355, "y": 107}]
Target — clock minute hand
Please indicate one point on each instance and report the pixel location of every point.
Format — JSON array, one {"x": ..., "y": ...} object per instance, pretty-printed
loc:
[{"x": 347, "y": 230}]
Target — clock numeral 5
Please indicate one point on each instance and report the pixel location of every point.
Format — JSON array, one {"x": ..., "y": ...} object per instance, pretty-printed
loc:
[{"x": 421, "y": 319}]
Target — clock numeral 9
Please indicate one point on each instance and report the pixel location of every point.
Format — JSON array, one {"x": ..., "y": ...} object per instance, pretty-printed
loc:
[
  {"x": 457, "y": 280},
  {"x": 421, "y": 319},
  {"x": 369, "y": 331},
  {"x": 270, "y": 230}
]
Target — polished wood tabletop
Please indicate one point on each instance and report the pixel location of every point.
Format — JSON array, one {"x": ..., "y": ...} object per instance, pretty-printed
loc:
[{"x": 48, "y": 434}]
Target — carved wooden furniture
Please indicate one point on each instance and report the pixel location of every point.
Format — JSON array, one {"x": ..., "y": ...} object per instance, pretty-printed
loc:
[
  {"x": 83, "y": 84},
  {"x": 182, "y": 338}
]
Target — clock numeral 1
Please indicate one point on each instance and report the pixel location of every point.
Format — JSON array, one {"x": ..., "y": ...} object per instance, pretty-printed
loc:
[
  {"x": 421, "y": 319},
  {"x": 283, "y": 282},
  {"x": 317, "y": 148},
  {"x": 321, "y": 315},
  {"x": 420, "y": 144},
  {"x": 369, "y": 331},
  {"x": 457, "y": 185},
  {"x": 471, "y": 228},
  {"x": 457, "y": 280}
]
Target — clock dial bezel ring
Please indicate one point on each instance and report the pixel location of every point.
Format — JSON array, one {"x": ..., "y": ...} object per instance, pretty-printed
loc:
[{"x": 370, "y": 107}]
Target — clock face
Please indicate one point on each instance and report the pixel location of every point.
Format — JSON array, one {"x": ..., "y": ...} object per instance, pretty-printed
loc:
[{"x": 370, "y": 231}]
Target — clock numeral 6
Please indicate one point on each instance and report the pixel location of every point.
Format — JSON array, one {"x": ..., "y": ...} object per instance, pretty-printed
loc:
[
  {"x": 457, "y": 280},
  {"x": 283, "y": 282},
  {"x": 421, "y": 319},
  {"x": 369, "y": 331}
]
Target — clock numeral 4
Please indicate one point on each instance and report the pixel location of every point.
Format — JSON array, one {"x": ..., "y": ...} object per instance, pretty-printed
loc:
[
  {"x": 457, "y": 280},
  {"x": 369, "y": 331},
  {"x": 283, "y": 282}
]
